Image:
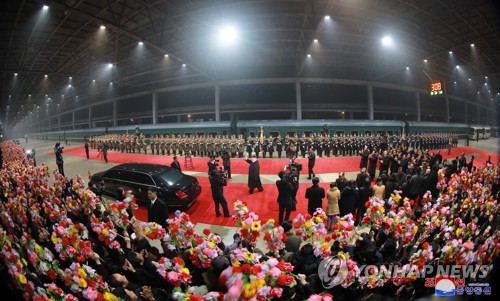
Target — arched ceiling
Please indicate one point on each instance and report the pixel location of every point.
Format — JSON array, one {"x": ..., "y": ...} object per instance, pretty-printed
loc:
[{"x": 47, "y": 47}]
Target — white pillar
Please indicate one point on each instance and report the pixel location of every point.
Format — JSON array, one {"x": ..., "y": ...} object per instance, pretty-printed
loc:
[
  {"x": 155, "y": 108},
  {"x": 370, "y": 102},
  {"x": 90, "y": 117},
  {"x": 217, "y": 101},
  {"x": 115, "y": 113},
  {"x": 298, "y": 96},
  {"x": 417, "y": 105},
  {"x": 447, "y": 99}
]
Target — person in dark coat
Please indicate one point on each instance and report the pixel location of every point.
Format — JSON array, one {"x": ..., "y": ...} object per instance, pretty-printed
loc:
[
  {"x": 360, "y": 178},
  {"x": 417, "y": 186},
  {"x": 157, "y": 209},
  {"x": 285, "y": 197},
  {"x": 254, "y": 175},
  {"x": 348, "y": 197},
  {"x": 58, "y": 150},
  {"x": 311, "y": 161},
  {"x": 315, "y": 195},
  {"x": 86, "y": 146},
  {"x": 372, "y": 164},
  {"x": 212, "y": 164},
  {"x": 293, "y": 242},
  {"x": 365, "y": 153},
  {"x": 217, "y": 182},
  {"x": 341, "y": 181},
  {"x": 390, "y": 186},
  {"x": 176, "y": 164},
  {"x": 365, "y": 192},
  {"x": 226, "y": 162}
]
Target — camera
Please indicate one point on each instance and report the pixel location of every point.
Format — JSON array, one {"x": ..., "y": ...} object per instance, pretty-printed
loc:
[
  {"x": 293, "y": 170},
  {"x": 220, "y": 173}
]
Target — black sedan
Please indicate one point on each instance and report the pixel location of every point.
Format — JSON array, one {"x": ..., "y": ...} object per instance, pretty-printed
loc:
[{"x": 178, "y": 190}]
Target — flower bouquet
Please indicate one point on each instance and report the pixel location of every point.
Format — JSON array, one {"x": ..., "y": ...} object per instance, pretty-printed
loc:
[
  {"x": 174, "y": 271},
  {"x": 343, "y": 228},
  {"x": 181, "y": 234},
  {"x": 50, "y": 292},
  {"x": 375, "y": 209},
  {"x": 70, "y": 241},
  {"x": 153, "y": 230},
  {"x": 205, "y": 250},
  {"x": 274, "y": 237},
  {"x": 106, "y": 233},
  {"x": 257, "y": 281},
  {"x": 84, "y": 281}
]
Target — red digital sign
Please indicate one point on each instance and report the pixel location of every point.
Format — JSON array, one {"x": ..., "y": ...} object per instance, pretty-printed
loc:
[{"x": 437, "y": 88}]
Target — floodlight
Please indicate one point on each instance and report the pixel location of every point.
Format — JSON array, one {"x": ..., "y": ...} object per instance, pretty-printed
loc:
[
  {"x": 228, "y": 34},
  {"x": 45, "y": 7},
  {"x": 387, "y": 41},
  {"x": 102, "y": 27},
  {"x": 327, "y": 17},
  {"x": 141, "y": 43}
]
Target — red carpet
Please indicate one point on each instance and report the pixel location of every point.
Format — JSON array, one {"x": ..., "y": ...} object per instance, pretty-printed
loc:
[
  {"x": 262, "y": 203},
  {"x": 238, "y": 165}
]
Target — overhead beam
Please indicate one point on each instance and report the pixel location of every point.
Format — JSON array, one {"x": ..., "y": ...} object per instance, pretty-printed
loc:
[{"x": 134, "y": 37}]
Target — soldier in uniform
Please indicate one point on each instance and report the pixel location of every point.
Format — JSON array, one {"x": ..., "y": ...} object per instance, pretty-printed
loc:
[
  {"x": 279, "y": 146},
  {"x": 270, "y": 148},
  {"x": 162, "y": 146},
  {"x": 265, "y": 148},
  {"x": 241, "y": 147}
]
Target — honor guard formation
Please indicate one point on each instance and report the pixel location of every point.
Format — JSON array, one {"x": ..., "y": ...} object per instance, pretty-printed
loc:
[{"x": 324, "y": 144}]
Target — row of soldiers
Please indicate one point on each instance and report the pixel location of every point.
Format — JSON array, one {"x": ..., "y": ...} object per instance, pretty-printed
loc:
[{"x": 290, "y": 146}]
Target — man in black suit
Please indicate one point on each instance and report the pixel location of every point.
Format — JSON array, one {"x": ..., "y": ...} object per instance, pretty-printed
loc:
[
  {"x": 212, "y": 164},
  {"x": 157, "y": 209},
  {"x": 86, "y": 146},
  {"x": 175, "y": 164},
  {"x": 315, "y": 195},
  {"x": 253, "y": 175},
  {"x": 311, "y": 161},
  {"x": 217, "y": 181},
  {"x": 285, "y": 197}
]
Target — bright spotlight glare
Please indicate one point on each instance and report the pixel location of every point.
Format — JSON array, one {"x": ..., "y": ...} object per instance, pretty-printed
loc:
[
  {"x": 110, "y": 65},
  {"x": 387, "y": 41},
  {"x": 45, "y": 7},
  {"x": 141, "y": 43},
  {"x": 228, "y": 34},
  {"x": 327, "y": 17},
  {"x": 102, "y": 27}
]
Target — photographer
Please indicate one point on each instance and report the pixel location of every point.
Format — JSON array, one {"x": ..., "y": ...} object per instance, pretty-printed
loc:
[
  {"x": 218, "y": 181},
  {"x": 293, "y": 175},
  {"x": 58, "y": 150},
  {"x": 30, "y": 154},
  {"x": 226, "y": 162},
  {"x": 285, "y": 197},
  {"x": 212, "y": 164}
]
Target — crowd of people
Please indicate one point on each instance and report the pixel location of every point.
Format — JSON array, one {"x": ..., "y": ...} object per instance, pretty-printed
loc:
[{"x": 60, "y": 241}]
